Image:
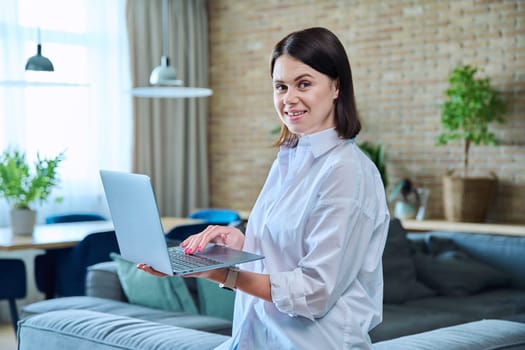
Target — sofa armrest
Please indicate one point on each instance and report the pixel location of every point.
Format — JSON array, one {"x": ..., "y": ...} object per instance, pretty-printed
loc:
[
  {"x": 484, "y": 334},
  {"x": 102, "y": 281},
  {"x": 90, "y": 330}
]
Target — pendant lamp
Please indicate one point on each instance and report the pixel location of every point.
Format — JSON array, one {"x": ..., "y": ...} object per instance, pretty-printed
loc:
[
  {"x": 37, "y": 72},
  {"x": 39, "y": 62},
  {"x": 163, "y": 78}
]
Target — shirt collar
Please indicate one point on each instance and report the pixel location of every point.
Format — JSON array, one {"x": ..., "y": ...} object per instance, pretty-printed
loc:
[{"x": 321, "y": 142}]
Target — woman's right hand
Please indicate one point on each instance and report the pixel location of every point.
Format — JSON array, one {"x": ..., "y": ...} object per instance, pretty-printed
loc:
[{"x": 228, "y": 236}]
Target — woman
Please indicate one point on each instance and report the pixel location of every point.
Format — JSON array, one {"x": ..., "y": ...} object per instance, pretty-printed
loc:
[{"x": 320, "y": 220}]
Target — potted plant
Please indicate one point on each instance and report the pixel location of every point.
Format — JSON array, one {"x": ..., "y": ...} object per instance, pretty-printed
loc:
[
  {"x": 22, "y": 187},
  {"x": 405, "y": 198},
  {"x": 472, "y": 104}
]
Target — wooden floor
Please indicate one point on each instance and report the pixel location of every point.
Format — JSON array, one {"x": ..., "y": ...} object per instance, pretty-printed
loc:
[{"x": 7, "y": 337}]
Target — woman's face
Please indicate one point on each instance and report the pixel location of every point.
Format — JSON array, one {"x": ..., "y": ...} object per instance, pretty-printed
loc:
[{"x": 303, "y": 97}]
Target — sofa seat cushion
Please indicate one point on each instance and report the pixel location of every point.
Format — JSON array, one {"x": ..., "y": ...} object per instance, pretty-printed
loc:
[
  {"x": 401, "y": 320},
  {"x": 500, "y": 303},
  {"x": 90, "y": 330},
  {"x": 485, "y": 334},
  {"x": 172, "y": 318},
  {"x": 422, "y": 315}
]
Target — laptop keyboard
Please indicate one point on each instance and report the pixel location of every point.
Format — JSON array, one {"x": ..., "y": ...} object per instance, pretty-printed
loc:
[{"x": 182, "y": 261}]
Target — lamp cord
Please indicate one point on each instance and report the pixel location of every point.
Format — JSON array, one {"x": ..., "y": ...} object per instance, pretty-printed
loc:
[{"x": 165, "y": 25}]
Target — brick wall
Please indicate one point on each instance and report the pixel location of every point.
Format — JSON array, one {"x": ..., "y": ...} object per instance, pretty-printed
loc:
[{"x": 401, "y": 52}]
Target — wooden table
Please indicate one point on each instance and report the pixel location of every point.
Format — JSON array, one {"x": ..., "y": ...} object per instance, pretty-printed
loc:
[
  {"x": 442, "y": 225},
  {"x": 67, "y": 235}
]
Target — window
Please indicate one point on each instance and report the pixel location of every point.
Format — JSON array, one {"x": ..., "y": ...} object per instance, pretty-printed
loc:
[{"x": 89, "y": 116}]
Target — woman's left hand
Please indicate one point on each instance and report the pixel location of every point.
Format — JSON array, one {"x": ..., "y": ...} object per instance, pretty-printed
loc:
[{"x": 151, "y": 270}]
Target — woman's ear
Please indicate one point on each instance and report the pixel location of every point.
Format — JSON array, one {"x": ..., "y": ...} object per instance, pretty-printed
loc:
[{"x": 336, "y": 88}]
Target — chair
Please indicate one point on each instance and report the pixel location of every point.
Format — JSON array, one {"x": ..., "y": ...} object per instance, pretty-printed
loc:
[
  {"x": 214, "y": 216},
  {"x": 13, "y": 284},
  {"x": 62, "y": 272},
  {"x": 46, "y": 265},
  {"x": 73, "y": 217},
  {"x": 181, "y": 232}
]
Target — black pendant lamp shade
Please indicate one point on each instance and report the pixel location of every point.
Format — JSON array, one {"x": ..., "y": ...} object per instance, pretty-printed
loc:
[{"x": 39, "y": 62}]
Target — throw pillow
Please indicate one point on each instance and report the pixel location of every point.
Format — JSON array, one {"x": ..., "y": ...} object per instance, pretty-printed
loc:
[
  {"x": 399, "y": 271},
  {"x": 141, "y": 288},
  {"x": 452, "y": 272}
]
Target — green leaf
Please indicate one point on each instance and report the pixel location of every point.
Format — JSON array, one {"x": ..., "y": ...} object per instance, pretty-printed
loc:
[{"x": 19, "y": 185}]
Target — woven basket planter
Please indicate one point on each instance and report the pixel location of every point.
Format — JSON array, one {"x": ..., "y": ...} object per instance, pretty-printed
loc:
[{"x": 468, "y": 199}]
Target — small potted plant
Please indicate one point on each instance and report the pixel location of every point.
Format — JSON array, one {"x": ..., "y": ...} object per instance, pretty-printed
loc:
[
  {"x": 22, "y": 186},
  {"x": 472, "y": 105},
  {"x": 405, "y": 198}
]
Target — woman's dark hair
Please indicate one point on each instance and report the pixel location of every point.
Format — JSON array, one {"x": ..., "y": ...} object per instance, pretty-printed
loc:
[{"x": 320, "y": 49}]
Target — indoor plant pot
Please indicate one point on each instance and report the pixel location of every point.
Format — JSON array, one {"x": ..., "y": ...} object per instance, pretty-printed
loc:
[
  {"x": 22, "y": 186},
  {"x": 467, "y": 199},
  {"x": 471, "y": 106},
  {"x": 22, "y": 221}
]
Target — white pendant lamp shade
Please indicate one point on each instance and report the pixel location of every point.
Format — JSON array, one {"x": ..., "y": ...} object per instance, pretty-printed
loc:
[
  {"x": 164, "y": 74},
  {"x": 163, "y": 78}
]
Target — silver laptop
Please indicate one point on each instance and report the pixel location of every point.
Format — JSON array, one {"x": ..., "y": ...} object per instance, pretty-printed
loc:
[{"x": 140, "y": 234}]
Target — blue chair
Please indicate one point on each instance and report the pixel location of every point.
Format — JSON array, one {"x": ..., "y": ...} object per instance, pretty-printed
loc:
[
  {"x": 13, "y": 284},
  {"x": 73, "y": 217},
  {"x": 214, "y": 216},
  {"x": 62, "y": 272}
]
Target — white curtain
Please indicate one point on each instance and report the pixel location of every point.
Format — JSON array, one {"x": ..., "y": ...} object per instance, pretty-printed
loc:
[{"x": 86, "y": 40}]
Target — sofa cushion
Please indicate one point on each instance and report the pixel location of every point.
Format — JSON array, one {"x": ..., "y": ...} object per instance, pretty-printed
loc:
[
  {"x": 141, "y": 288},
  {"x": 90, "y": 330},
  {"x": 425, "y": 314},
  {"x": 172, "y": 318},
  {"x": 502, "y": 252},
  {"x": 497, "y": 303},
  {"x": 400, "y": 320},
  {"x": 452, "y": 272},
  {"x": 399, "y": 271},
  {"x": 102, "y": 281}
]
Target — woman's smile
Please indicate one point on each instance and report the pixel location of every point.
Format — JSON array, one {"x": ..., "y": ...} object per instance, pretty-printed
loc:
[{"x": 295, "y": 115}]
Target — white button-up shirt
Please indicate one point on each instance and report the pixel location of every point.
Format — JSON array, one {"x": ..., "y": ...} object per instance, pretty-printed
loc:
[{"x": 321, "y": 222}]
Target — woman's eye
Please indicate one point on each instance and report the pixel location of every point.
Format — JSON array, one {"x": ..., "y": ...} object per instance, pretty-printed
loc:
[
  {"x": 304, "y": 84},
  {"x": 280, "y": 88}
]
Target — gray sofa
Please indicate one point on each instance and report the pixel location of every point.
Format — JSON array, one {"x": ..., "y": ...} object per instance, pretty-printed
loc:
[
  {"x": 432, "y": 281},
  {"x": 90, "y": 330},
  {"x": 440, "y": 279}
]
